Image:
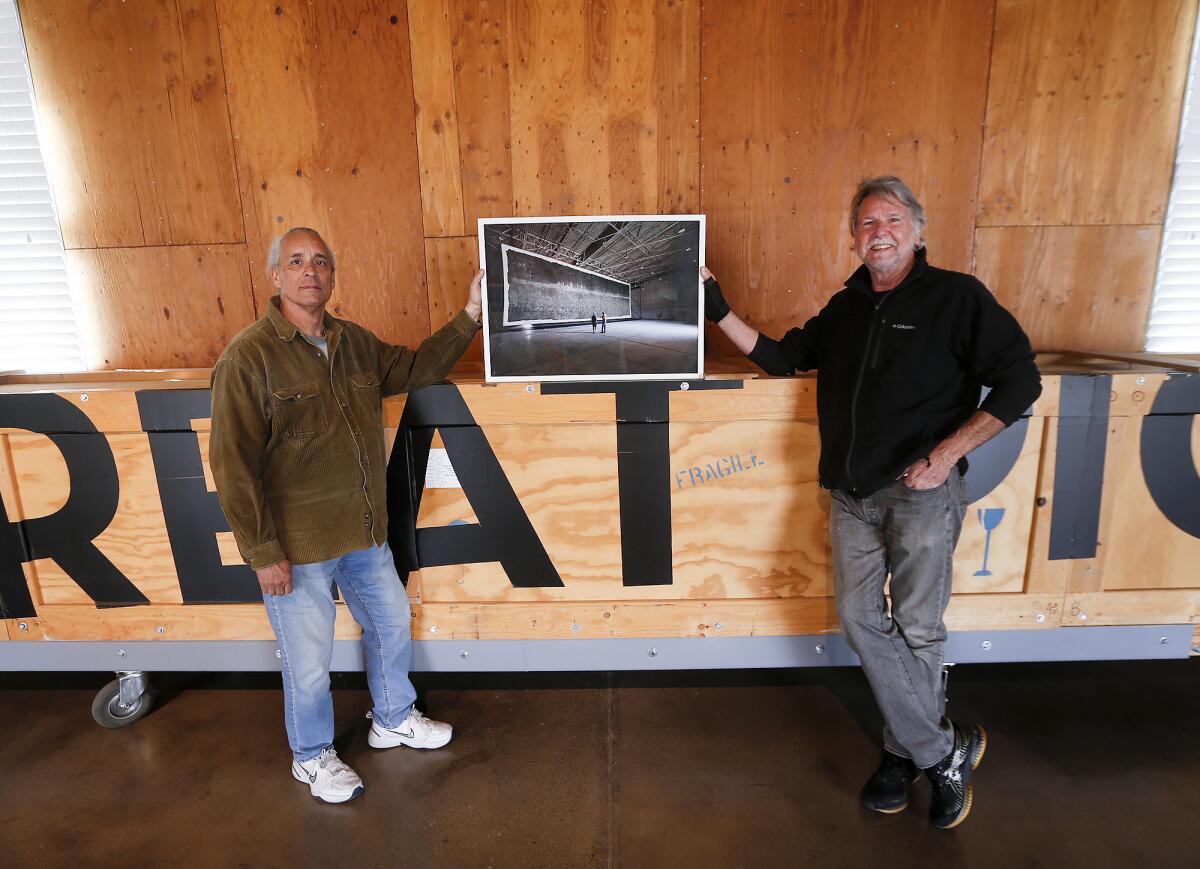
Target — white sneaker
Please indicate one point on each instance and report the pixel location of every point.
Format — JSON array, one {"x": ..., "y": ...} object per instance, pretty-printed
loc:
[
  {"x": 415, "y": 731},
  {"x": 330, "y": 780}
]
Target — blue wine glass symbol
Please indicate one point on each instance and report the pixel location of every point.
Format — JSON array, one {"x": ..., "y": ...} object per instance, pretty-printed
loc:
[{"x": 989, "y": 518}]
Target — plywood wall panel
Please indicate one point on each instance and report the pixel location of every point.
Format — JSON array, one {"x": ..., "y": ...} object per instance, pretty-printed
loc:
[
  {"x": 322, "y": 105},
  {"x": 436, "y": 117},
  {"x": 586, "y": 89},
  {"x": 134, "y": 121},
  {"x": 1073, "y": 287},
  {"x": 799, "y": 104},
  {"x": 381, "y": 122},
  {"x": 481, "y": 83},
  {"x": 677, "y": 74},
  {"x": 1083, "y": 110},
  {"x": 162, "y": 307},
  {"x": 451, "y": 264},
  {"x": 550, "y": 112}
]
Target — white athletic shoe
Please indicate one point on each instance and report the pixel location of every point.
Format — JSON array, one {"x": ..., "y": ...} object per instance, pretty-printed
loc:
[
  {"x": 330, "y": 780},
  {"x": 415, "y": 731}
]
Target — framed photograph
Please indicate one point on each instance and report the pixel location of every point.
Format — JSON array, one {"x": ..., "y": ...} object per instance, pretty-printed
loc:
[{"x": 593, "y": 298}]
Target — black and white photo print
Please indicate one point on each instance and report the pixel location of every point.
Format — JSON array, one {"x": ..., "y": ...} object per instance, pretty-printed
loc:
[{"x": 592, "y": 298}]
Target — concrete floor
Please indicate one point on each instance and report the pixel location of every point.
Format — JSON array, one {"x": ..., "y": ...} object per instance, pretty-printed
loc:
[
  {"x": 1088, "y": 765},
  {"x": 627, "y": 347}
]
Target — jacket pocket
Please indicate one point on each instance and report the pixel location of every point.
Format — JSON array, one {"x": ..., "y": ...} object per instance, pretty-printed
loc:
[
  {"x": 299, "y": 410},
  {"x": 365, "y": 397}
]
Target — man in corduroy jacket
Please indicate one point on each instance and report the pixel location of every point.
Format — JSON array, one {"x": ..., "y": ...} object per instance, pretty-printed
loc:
[
  {"x": 298, "y": 455},
  {"x": 902, "y": 353}
]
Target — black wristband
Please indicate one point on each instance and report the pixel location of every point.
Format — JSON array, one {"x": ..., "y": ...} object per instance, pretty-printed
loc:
[{"x": 715, "y": 306}]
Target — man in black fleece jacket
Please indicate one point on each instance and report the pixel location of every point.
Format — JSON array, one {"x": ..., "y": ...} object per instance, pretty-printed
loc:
[{"x": 903, "y": 351}]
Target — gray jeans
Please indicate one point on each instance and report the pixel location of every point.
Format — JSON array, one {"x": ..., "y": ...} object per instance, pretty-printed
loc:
[{"x": 911, "y": 535}]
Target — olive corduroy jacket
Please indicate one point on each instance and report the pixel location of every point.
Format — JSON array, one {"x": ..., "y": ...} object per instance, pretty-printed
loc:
[{"x": 297, "y": 444}]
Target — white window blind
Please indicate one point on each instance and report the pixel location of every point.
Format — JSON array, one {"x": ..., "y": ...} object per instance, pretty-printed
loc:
[
  {"x": 1174, "y": 325},
  {"x": 38, "y": 330}
]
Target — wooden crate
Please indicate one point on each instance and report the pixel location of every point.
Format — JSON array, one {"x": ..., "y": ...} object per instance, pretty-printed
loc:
[{"x": 594, "y": 510}]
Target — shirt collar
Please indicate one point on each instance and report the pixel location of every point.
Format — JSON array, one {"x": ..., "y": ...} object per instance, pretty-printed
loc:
[
  {"x": 285, "y": 328},
  {"x": 861, "y": 279}
]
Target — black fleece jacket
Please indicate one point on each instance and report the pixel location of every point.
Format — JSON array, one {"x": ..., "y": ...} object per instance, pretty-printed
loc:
[{"x": 901, "y": 370}]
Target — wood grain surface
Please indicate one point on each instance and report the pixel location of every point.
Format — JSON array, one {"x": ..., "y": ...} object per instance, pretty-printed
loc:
[
  {"x": 175, "y": 306},
  {"x": 321, "y": 98},
  {"x": 1083, "y": 111},
  {"x": 1039, "y": 136},
  {"x": 134, "y": 120},
  {"x": 791, "y": 126},
  {"x": 1048, "y": 276}
]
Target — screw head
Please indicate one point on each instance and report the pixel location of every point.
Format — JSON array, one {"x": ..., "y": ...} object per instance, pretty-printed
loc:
[
  {"x": 433, "y": 629},
  {"x": 718, "y": 626},
  {"x": 1162, "y": 641},
  {"x": 23, "y": 626},
  {"x": 653, "y": 653},
  {"x": 83, "y": 396},
  {"x": 820, "y": 649},
  {"x": 986, "y": 645},
  {"x": 120, "y": 653},
  {"x": 463, "y": 653},
  {"x": 575, "y": 626},
  {"x": 684, "y": 386},
  {"x": 160, "y": 630},
  {"x": 1083, "y": 617},
  {"x": 529, "y": 387},
  {"x": 279, "y": 653},
  {"x": 1140, "y": 381},
  {"x": 1039, "y": 618}
]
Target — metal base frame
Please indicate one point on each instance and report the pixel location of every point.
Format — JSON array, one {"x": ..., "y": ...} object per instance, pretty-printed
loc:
[{"x": 1096, "y": 643}]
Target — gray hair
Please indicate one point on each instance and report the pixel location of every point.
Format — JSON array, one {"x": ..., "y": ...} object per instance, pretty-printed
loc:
[
  {"x": 889, "y": 187},
  {"x": 277, "y": 244}
]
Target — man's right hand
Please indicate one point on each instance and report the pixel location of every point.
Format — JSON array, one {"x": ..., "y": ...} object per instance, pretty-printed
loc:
[
  {"x": 715, "y": 306},
  {"x": 276, "y": 579},
  {"x": 474, "y": 306}
]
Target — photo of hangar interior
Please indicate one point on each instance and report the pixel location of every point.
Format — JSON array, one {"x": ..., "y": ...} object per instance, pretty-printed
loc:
[{"x": 593, "y": 298}]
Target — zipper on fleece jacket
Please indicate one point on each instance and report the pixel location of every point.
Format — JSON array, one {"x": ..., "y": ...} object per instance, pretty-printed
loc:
[{"x": 870, "y": 352}]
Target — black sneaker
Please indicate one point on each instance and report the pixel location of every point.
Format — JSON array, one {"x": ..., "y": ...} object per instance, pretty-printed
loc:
[
  {"x": 951, "y": 777},
  {"x": 887, "y": 790}
]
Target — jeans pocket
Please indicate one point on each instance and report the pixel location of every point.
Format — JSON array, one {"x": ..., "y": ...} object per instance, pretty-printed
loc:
[{"x": 916, "y": 494}]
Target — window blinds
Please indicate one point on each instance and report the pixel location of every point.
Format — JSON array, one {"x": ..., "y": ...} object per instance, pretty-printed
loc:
[
  {"x": 1174, "y": 325},
  {"x": 38, "y": 330}
]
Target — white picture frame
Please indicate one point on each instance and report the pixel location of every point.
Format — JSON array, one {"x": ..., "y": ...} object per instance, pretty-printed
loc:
[{"x": 537, "y": 295}]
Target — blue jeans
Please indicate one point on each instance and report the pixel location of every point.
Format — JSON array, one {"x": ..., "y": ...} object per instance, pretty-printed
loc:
[
  {"x": 911, "y": 535},
  {"x": 303, "y": 623}
]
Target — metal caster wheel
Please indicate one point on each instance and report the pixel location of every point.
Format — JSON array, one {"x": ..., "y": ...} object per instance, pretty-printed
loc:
[{"x": 123, "y": 700}]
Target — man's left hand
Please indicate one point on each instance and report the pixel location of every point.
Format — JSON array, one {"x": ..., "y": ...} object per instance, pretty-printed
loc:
[
  {"x": 474, "y": 306},
  {"x": 927, "y": 473},
  {"x": 715, "y": 306}
]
